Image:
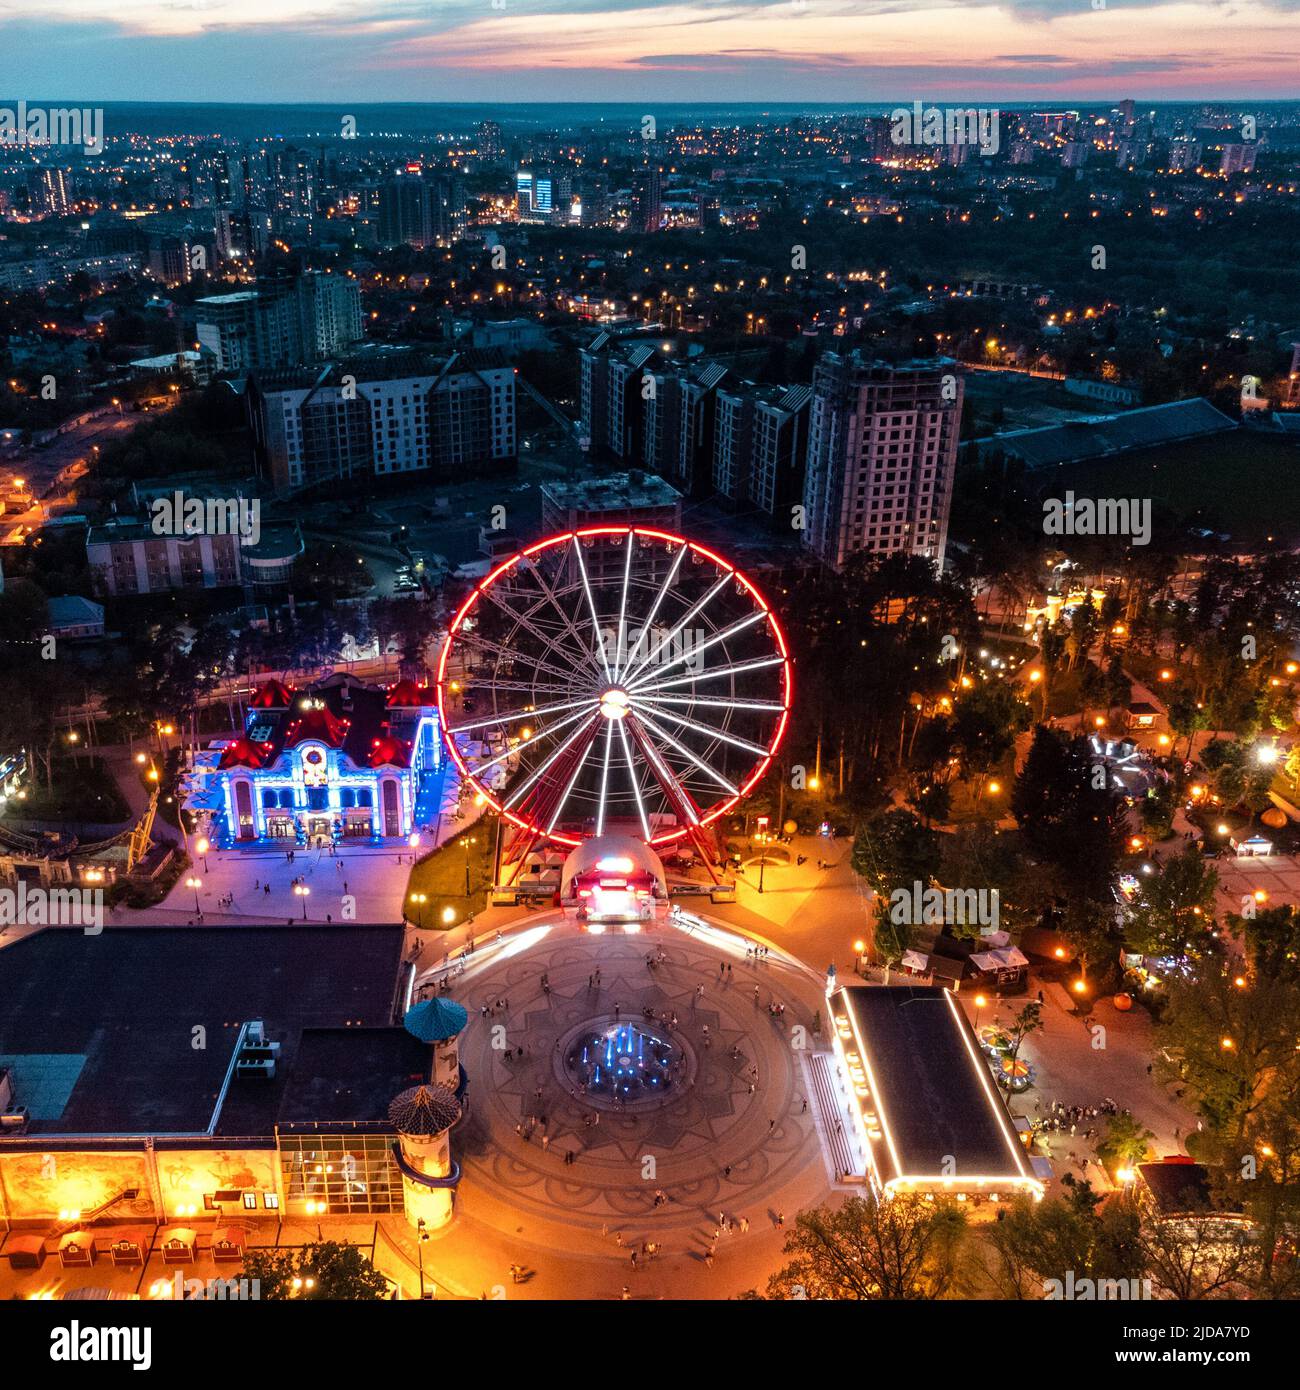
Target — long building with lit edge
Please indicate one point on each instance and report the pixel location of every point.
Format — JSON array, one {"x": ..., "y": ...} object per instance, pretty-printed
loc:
[
  {"x": 927, "y": 1116},
  {"x": 337, "y": 760}
]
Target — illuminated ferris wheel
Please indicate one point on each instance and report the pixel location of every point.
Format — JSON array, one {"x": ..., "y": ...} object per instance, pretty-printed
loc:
[{"x": 614, "y": 679}]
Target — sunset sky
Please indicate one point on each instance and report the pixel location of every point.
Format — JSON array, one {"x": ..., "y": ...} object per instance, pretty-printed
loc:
[{"x": 623, "y": 50}]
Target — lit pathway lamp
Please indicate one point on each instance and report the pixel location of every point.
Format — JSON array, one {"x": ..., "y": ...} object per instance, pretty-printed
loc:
[
  {"x": 419, "y": 899},
  {"x": 201, "y": 846},
  {"x": 466, "y": 843},
  {"x": 196, "y": 883},
  {"x": 762, "y": 823},
  {"x": 302, "y": 891}
]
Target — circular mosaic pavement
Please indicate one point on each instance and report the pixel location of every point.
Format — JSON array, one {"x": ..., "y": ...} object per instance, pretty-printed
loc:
[{"x": 710, "y": 1045}]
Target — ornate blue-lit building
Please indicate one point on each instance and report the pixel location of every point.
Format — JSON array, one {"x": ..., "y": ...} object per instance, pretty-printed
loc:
[{"x": 338, "y": 760}]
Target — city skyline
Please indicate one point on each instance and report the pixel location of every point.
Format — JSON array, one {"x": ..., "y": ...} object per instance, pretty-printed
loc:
[{"x": 490, "y": 50}]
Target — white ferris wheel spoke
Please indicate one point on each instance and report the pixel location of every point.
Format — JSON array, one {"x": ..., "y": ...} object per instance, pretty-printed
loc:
[
  {"x": 636, "y": 784},
  {"x": 622, "y": 603},
  {"x": 686, "y": 753},
  {"x": 591, "y": 603},
  {"x": 519, "y": 715},
  {"x": 703, "y": 647},
  {"x": 588, "y": 657},
  {"x": 667, "y": 640},
  {"x": 770, "y": 706},
  {"x": 665, "y": 775},
  {"x": 547, "y": 639},
  {"x": 545, "y": 767},
  {"x": 564, "y": 796},
  {"x": 708, "y": 730},
  {"x": 712, "y": 672},
  {"x": 513, "y": 654},
  {"x": 654, "y": 607},
  {"x": 544, "y": 733},
  {"x": 604, "y": 776}
]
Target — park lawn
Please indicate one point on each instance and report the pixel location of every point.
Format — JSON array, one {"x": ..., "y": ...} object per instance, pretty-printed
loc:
[
  {"x": 1246, "y": 483},
  {"x": 82, "y": 789},
  {"x": 440, "y": 876}
]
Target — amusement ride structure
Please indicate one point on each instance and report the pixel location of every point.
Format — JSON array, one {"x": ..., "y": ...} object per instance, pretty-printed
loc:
[{"x": 615, "y": 681}]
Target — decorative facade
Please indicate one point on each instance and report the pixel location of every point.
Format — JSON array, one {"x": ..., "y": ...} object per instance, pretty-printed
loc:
[{"x": 339, "y": 760}]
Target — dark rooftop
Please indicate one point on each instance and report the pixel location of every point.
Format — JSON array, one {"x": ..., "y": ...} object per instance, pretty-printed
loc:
[
  {"x": 100, "y": 1030},
  {"x": 1184, "y": 1189},
  {"x": 934, "y": 1093},
  {"x": 1076, "y": 440},
  {"x": 344, "y": 1074}
]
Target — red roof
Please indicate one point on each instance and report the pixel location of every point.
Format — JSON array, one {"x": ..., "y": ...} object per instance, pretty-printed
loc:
[
  {"x": 389, "y": 751},
  {"x": 407, "y": 695},
  {"x": 317, "y": 726},
  {"x": 243, "y": 752},
  {"x": 272, "y": 695}
]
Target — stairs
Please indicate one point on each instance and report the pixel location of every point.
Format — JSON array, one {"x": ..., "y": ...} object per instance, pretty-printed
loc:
[{"x": 831, "y": 1114}]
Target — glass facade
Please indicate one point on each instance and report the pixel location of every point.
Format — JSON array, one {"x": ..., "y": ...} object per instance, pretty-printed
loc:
[{"x": 350, "y": 1173}]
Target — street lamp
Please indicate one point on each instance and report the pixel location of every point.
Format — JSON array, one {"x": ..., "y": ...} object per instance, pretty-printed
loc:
[
  {"x": 980, "y": 1001},
  {"x": 448, "y": 915},
  {"x": 201, "y": 846},
  {"x": 762, "y": 823},
  {"x": 419, "y": 899},
  {"x": 302, "y": 891},
  {"x": 466, "y": 843},
  {"x": 196, "y": 884}
]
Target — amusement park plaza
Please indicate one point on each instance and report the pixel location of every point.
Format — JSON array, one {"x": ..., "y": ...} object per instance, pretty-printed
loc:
[{"x": 619, "y": 1072}]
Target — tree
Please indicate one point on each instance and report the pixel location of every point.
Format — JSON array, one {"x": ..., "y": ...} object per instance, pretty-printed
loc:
[
  {"x": 1074, "y": 1232},
  {"x": 985, "y": 723},
  {"x": 1187, "y": 718},
  {"x": 1231, "y": 1041},
  {"x": 901, "y": 1248},
  {"x": 1196, "y": 1255},
  {"x": 1028, "y": 1020},
  {"x": 1089, "y": 926},
  {"x": 1237, "y": 775},
  {"x": 1174, "y": 910},
  {"x": 1068, "y": 813},
  {"x": 894, "y": 850},
  {"x": 1125, "y": 1144},
  {"x": 1271, "y": 936},
  {"x": 325, "y": 1270}
]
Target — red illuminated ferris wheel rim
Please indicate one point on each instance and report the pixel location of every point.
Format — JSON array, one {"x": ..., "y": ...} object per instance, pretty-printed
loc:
[{"x": 501, "y": 571}]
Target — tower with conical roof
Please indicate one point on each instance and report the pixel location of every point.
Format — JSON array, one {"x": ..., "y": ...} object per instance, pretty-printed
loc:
[
  {"x": 441, "y": 1022},
  {"x": 422, "y": 1116}
]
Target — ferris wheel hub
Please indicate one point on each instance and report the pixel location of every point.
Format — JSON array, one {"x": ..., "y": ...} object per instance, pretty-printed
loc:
[{"x": 615, "y": 702}]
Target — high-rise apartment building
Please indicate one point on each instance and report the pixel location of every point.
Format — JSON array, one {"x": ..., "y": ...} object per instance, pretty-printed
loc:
[
  {"x": 679, "y": 420},
  {"x": 615, "y": 377},
  {"x": 759, "y": 443},
  {"x": 1238, "y": 159},
  {"x": 285, "y": 321},
  {"x": 401, "y": 413},
  {"x": 417, "y": 209},
  {"x": 882, "y": 451},
  {"x": 647, "y": 200},
  {"x": 47, "y": 192}
]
